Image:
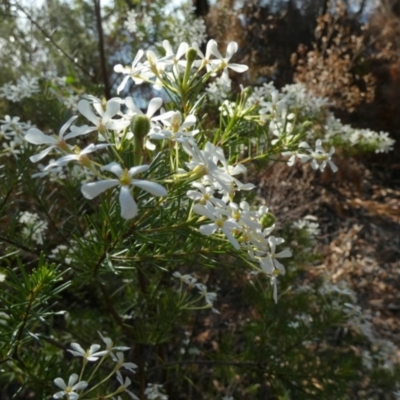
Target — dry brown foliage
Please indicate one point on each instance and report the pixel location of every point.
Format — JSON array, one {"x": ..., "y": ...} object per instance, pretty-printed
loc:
[{"x": 336, "y": 66}]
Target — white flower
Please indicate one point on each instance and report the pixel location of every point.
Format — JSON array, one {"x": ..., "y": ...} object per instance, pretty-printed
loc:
[
  {"x": 90, "y": 354},
  {"x": 297, "y": 153},
  {"x": 80, "y": 156},
  {"x": 128, "y": 204},
  {"x": 218, "y": 90},
  {"x": 271, "y": 262},
  {"x": 187, "y": 278},
  {"x": 204, "y": 163},
  {"x": 119, "y": 359},
  {"x": 70, "y": 389},
  {"x": 176, "y": 129},
  {"x": 320, "y": 155},
  {"x": 221, "y": 221},
  {"x": 179, "y": 65},
  {"x": 223, "y": 62},
  {"x": 36, "y": 136},
  {"x": 34, "y": 228},
  {"x": 138, "y": 72},
  {"x": 205, "y": 194},
  {"x": 152, "y": 392},
  {"x": 14, "y": 128},
  {"x": 124, "y": 384},
  {"x": 152, "y": 108},
  {"x": 209, "y": 297},
  {"x": 156, "y": 64},
  {"x": 104, "y": 119},
  {"x": 25, "y": 87},
  {"x": 205, "y": 59},
  {"x": 110, "y": 344}
]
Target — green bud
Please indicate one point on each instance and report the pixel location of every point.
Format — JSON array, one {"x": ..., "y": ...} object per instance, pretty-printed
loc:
[
  {"x": 267, "y": 220},
  {"x": 140, "y": 126},
  {"x": 248, "y": 91},
  {"x": 191, "y": 55},
  {"x": 307, "y": 124}
]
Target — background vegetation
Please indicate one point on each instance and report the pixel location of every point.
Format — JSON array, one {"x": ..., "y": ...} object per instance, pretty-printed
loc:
[{"x": 334, "y": 333}]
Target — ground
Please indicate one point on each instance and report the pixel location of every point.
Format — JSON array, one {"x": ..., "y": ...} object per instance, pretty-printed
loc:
[{"x": 358, "y": 210}]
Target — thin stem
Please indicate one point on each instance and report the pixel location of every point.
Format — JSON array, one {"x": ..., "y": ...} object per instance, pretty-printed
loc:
[{"x": 103, "y": 62}]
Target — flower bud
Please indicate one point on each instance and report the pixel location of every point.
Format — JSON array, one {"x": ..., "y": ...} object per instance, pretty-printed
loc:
[
  {"x": 247, "y": 91},
  {"x": 267, "y": 220},
  {"x": 307, "y": 124},
  {"x": 140, "y": 126},
  {"x": 191, "y": 55}
]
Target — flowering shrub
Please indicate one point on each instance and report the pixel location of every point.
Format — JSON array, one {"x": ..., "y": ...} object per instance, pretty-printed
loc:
[{"x": 140, "y": 209}]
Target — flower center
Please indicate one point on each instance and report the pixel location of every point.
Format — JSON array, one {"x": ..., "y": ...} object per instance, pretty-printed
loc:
[{"x": 125, "y": 178}]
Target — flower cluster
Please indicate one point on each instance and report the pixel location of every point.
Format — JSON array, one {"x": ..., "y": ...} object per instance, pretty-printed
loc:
[
  {"x": 191, "y": 281},
  {"x": 153, "y": 392},
  {"x": 181, "y": 23},
  {"x": 294, "y": 105},
  {"x": 34, "y": 227},
  {"x": 129, "y": 142},
  {"x": 26, "y": 86},
  {"x": 73, "y": 390},
  {"x": 13, "y": 132}
]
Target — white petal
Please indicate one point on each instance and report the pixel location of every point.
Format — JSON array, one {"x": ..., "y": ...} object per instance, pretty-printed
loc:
[
  {"x": 238, "y": 67},
  {"x": 113, "y": 167},
  {"x": 280, "y": 267},
  {"x": 231, "y": 49},
  {"x": 267, "y": 265},
  {"x": 333, "y": 166},
  {"x": 247, "y": 186},
  {"x": 149, "y": 145},
  {"x": 154, "y": 105},
  {"x": 182, "y": 49},
  {"x": 139, "y": 55},
  {"x": 208, "y": 229},
  {"x": 93, "y": 189},
  {"x": 132, "y": 106},
  {"x": 41, "y": 155},
  {"x": 212, "y": 48},
  {"x": 189, "y": 121},
  {"x": 59, "y": 395},
  {"x": 284, "y": 254},
  {"x": 72, "y": 379},
  {"x": 86, "y": 110},
  {"x": 238, "y": 169},
  {"x": 192, "y": 194},
  {"x": 38, "y": 137},
  {"x": 119, "y": 68},
  {"x": 123, "y": 83},
  {"x": 127, "y": 203},
  {"x": 168, "y": 48},
  {"x": 93, "y": 147},
  {"x": 201, "y": 210},
  {"x": 94, "y": 348},
  {"x": 154, "y": 188},
  {"x": 65, "y": 127},
  {"x": 83, "y": 130},
  {"x": 73, "y": 396},
  {"x": 111, "y": 110},
  {"x": 137, "y": 170},
  {"x": 77, "y": 347},
  {"x": 62, "y": 161},
  {"x": 60, "y": 383},
  {"x": 273, "y": 282},
  {"x": 231, "y": 238}
]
